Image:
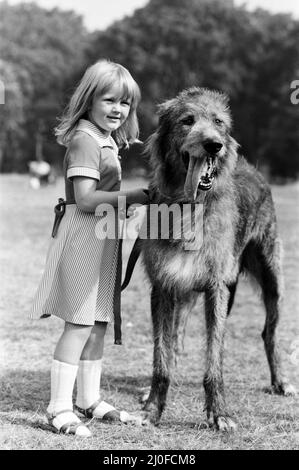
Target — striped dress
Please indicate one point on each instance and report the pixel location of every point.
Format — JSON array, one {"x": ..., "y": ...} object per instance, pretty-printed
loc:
[{"x": 82, "y": 276}]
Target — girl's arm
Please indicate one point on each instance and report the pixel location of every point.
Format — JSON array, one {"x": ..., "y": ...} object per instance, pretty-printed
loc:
[{"x": 88, "y": 197}]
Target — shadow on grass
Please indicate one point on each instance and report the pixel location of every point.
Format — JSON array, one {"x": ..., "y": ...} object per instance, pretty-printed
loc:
[
  {"x": 24, "y": 395},
  {"x": 128, "y": 385},
  {"x": 28, "y": 390},
  {"x": 131, "y": 384},
  {"x": 24, "y": 390},
  {"x": 31, "y": 422}
]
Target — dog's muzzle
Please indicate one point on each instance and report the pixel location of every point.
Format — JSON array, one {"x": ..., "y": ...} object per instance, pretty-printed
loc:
[{"x": 200, "y": 174}]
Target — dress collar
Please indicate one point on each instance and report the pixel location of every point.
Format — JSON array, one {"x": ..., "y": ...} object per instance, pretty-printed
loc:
[{"x": 86, "y": 126}]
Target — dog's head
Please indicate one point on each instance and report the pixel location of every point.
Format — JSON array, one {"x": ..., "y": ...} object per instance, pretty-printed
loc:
[{"x": 192, "y": 146}]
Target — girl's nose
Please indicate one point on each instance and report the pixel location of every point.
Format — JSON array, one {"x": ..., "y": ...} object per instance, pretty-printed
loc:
[{"x": 116, "y": 106}]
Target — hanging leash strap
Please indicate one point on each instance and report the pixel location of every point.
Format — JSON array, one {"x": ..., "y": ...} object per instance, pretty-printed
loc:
[
  {"x": 59, "y": 211},
  {"x": 117, "y": 297},
  {"x": 118, "y": 288}
]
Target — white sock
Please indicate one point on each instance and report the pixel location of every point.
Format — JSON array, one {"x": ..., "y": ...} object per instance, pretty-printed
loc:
[
  {"x": 88, "y": 383},
  {"x": 63, "y": 377}
]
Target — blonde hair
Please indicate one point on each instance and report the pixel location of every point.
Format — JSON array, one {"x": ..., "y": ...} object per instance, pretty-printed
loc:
[{"x": 98, "y": 79}]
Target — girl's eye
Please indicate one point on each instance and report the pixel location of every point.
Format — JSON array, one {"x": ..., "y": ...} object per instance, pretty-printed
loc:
[
  {"x": 125, "y": 102},
  {"x": 188, "y": 121}
]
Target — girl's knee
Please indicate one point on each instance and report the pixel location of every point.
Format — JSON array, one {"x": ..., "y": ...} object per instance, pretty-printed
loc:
[
  {"x": 100, "y": 327},
  {"x": 79, "y": 331}
]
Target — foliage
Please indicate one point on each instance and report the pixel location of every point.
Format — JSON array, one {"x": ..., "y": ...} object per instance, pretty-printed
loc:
[
  {"x": 171, "y": 45},
  {"x": 168, "y": 45},
  {"x": 39, "y": 56}
]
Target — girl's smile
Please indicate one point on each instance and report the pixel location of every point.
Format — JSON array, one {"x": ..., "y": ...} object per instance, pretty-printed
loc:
[{"x": 109, "y": 111}]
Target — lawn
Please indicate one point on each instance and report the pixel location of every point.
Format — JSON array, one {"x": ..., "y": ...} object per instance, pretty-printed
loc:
[{"x": 264, "y": 421}]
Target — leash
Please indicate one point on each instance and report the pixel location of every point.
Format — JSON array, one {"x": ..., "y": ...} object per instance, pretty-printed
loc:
[{"x": 59, "y": 211}]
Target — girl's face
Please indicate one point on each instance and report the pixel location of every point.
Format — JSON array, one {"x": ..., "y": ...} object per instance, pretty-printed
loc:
[{"x": 109, "y": 111}]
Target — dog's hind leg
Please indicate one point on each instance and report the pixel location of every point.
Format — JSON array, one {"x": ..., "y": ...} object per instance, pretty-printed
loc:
[
  {"x": 216, "y": 312},
  {"x": 271, "y": 284},
  {"x": 162, "y": 306}
]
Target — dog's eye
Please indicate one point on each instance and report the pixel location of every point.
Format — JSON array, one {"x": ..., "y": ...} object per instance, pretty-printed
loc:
[
  {"x": 218, "y": 121},
  {"x": 188, "y": 121}
]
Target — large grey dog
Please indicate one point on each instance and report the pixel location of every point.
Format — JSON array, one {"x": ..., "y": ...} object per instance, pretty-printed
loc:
[{"x": 195, "y": 159}]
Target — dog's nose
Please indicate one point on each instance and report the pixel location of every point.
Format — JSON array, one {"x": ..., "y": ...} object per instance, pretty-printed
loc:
[{"x": 212, "y": 146}]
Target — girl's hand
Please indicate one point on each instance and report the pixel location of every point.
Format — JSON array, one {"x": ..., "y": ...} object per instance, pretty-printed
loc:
[
  {"x": 130, "y": 211},
  {"x": 138, "y": 196},
  {"x": 127, "y": 212}
]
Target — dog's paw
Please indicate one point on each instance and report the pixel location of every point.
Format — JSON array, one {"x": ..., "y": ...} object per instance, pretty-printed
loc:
[
  {"x": 150, "y": 418},
  {"x": 290, "y": 391},
  {"x": 282, "y": 388},
  {"x": 151, "y": 414},
  {"x": 225, "y": 424},
  {"x": 144, "y": 394},
  {"x": 136, "y": 418},
  {"x": 285, "y": 389}
]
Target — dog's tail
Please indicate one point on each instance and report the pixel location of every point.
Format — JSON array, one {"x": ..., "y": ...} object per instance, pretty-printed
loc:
[{"x": 136, "y": 250}]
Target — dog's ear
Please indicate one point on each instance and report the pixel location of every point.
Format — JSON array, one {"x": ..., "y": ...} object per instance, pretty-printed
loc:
[
  {"x": 234, "y": 144},
  {"x": 156, "y": 144},
  {"x": 224, "y": 98},
  {"x": 165, "y": 113},
  {"x": 165, "y": 108},
  {"x": 232, "y": 149}
]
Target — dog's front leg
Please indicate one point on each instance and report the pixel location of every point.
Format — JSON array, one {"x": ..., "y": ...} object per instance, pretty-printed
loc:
[
  {"x": 162, "y": 306},
  {"x": 216, "y": 304}
]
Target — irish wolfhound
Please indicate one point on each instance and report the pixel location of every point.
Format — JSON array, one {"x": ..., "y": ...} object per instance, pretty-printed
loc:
[{"x": 194, "y": 158}]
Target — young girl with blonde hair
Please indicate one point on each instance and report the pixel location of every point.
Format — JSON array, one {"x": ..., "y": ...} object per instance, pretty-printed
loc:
[{"x": 81, "y": 281}]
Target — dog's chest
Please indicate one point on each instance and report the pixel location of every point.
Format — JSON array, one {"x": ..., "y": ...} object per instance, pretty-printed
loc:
[
  {"x": 195, "y": 269},
  {"x": 196, "y": 265}
]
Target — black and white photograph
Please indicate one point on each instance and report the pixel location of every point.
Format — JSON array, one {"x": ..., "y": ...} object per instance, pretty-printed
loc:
[{"x": 149, "y": 228}]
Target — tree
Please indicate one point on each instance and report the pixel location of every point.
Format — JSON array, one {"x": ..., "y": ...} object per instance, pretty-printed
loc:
[
  {"x": 170, "y": 45},
  {"x": 40, "y": 54}
]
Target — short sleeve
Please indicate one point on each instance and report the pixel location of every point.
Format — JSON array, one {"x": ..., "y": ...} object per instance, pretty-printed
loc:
[{"x": 83, "y": 157}]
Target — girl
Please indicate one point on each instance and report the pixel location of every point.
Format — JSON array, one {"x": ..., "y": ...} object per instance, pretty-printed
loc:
[{"x": 82, "y": 277}]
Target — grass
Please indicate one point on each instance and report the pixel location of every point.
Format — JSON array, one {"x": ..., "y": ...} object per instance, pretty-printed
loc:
[{"x": 265, "y": 421}]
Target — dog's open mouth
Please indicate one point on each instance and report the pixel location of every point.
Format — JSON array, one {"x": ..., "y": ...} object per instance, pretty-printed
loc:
[{"x": 200, "y": 175}]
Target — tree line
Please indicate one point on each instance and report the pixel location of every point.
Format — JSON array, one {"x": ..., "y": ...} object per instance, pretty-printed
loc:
[{"x": 168, "y": 45}]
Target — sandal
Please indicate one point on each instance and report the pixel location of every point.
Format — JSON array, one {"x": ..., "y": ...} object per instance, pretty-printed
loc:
[
  {"x": 102, "y": 410},
  {"x": 72, "y": 426}
]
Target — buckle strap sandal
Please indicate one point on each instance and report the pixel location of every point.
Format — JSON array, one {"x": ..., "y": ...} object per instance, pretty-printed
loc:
[
  {"x": 74, "y": 427},
  {"x": 102, "y": 410}
]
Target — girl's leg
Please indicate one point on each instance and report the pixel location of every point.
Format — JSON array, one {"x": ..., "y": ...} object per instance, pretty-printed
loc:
[
  {"x": 90, "y": 367},
  {"x": 72, "y": 342},
  {"x": 89, "y": 378},
  {"x": 63, "y": 375},
  {"x": 94, "y": 347}
]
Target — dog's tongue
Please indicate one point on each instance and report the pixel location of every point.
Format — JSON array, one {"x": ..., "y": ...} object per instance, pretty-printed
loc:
[{"x": 194, "y": 173}]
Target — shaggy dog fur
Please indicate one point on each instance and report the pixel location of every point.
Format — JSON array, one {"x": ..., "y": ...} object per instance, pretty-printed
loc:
[{"x": 194, "y": 159}]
